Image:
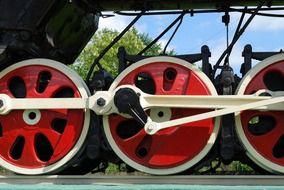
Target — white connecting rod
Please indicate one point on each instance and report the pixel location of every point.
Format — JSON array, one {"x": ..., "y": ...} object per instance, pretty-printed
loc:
[
  {"x": 205, "y": 102},
  {"x": 8, "y": 104},
  {"x": 153, "y": 127},
  {"x": 146, "y": 101},
  {"x": 102, "y": 104}
]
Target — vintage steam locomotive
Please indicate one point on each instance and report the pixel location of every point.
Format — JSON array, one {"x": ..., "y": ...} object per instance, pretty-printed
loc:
[{"x": 161, "y": 115}]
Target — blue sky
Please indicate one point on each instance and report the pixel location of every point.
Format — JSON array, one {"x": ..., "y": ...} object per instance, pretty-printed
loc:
[{"x": 264, "y": 33}]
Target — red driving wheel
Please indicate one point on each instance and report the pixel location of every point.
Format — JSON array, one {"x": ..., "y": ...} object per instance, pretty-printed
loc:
[
  {"x": 262, "y": 132},
  {"x": 41, "y": 141},
  {"x": 171, "y": 150}
]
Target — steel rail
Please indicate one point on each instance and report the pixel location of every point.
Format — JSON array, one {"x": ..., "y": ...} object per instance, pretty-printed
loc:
[{"x": 227, "y": 180}]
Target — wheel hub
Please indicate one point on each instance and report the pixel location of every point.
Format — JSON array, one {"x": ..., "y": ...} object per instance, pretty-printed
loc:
[
  {"x": 31, "y": 117},
  {"x": 160, "y": 114}
]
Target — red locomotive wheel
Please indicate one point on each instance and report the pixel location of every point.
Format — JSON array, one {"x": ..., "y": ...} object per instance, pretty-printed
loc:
[
  {"x": 171, "y": 150},
  {"x": 262, "y": 132},
  {"x": 41, "y": 141}
]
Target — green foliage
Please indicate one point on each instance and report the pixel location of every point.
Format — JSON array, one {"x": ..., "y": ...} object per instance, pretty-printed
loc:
[
  {"x": 234, "y": 168},
  {"x": 241, "y": 168},
  {"x": 112, "y": 169},
  {"x": 133, "y": 42}
]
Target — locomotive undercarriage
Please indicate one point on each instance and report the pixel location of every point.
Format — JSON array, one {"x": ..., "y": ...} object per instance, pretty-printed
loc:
[{"x": 161, "y": 115}]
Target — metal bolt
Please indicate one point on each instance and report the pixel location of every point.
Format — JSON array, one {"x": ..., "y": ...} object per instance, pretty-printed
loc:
[
  {"x": 150, "y": 128},
  {"x": 101, "y": 102}
]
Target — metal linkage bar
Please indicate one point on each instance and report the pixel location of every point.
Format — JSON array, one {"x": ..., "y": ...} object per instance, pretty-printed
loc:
[
  {"x": 204, "y": 102},
  {"x": 114, "y": 41},
  {"x": 103, "y": 103},
  {"x": 96, "y": 102},
  {"x": 153, "y": 127},
  {"x": 192, "y": 12},
  {"x": 238, "y": 33},
  {"x": 162, "y": 33}
]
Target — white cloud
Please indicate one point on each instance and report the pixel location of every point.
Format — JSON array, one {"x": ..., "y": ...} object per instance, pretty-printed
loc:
[
  {"x": 217, "y": 48},
  {"x": 163, "y": 43},
  {"x": 161, "y": 22},
  {"x": 141, "y": 27},
  {"x": 116, "y": 22},
  {"x": 263, "y": 23},
  {"x": 205, "y": 24},
  {"x": 119, "y": 22},
  {"x": 268, "y": 23}
]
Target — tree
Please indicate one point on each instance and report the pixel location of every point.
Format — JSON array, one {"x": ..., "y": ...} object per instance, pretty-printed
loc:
[{"x": 133, "y": 41}]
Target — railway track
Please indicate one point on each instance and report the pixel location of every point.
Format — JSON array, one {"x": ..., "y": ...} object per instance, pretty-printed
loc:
[{"x": 220, "y": 180}]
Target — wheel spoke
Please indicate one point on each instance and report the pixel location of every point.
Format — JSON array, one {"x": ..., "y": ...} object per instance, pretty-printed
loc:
[
  {"x": 52, "y": 136},
  {"x": 49, "y": 115},
  {"x": 176, "y": 84},
  {"x": 6, "y": 143},
  {"x": 257, "y": 85},
  {"x": 157, "y": 75},
  {"x": 10, "y": 131},
  {"x": 132, "y": 143},
  {"x": 268, "y": 141},
  {"x": 54, "y": 86},
  {"x": 29, "y": 156},
  {"x": 180, "y": 113},
  {"x": 29, "y": 78}
]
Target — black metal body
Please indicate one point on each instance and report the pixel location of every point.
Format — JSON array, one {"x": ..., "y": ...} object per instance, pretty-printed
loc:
[
  {"x": 248, "y": 55},
  {"x": 116, "y": 5},
  {"x": 54, "y": 29}
]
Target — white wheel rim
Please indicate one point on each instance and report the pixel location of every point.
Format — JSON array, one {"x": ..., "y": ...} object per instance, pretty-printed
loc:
[
  {"x": 178, "y": 168},
  {"x": 82, "y": 88},
  {"x": 250, "y": 150}
]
